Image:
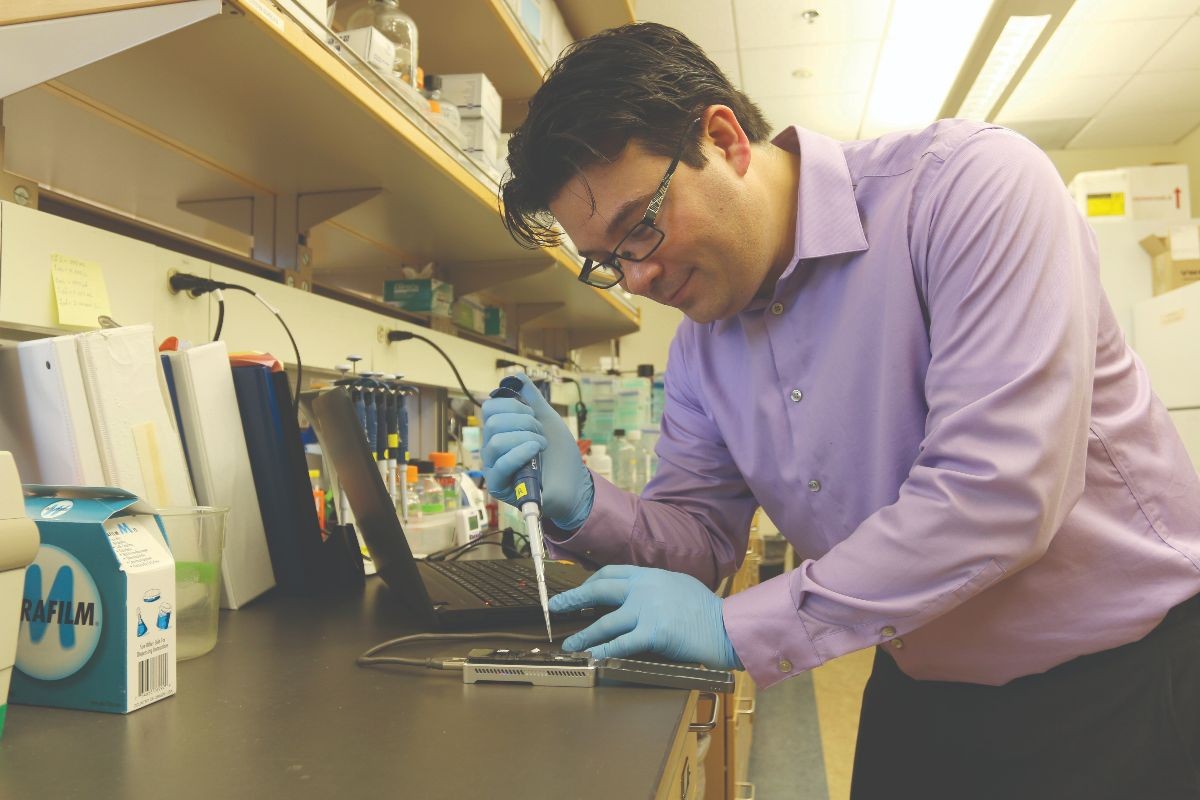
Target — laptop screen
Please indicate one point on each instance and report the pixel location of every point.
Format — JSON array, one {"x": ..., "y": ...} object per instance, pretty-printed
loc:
[{"x": 344, "y": 445}]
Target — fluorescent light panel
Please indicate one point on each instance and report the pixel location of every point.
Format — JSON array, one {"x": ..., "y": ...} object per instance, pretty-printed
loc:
[
  {"x": 1008, "y": 53},
  {"x": 922, "y": 53}
]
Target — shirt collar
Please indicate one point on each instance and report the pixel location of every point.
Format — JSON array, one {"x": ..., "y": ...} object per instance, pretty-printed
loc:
[{"x": 827, "y": 217}]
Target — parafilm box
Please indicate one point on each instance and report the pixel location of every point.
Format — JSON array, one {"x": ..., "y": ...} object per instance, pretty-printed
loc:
[{"x": 97, "y": 613}]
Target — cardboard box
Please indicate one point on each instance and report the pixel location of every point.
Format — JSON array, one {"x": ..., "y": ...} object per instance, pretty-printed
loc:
[
  {"x": 372, "y": 47},
  {"x": 428, "y": 295},
  {"x": 467, "y": 314},
  {"x": 474, "y": 96},
  {"x": 97, "y": 614},
  {"x": 1134, "y": 193},
  {"x": 495, "y": 322},
  {"x": 1175, "y": 259},
  {"x": 482, "y": 141}
]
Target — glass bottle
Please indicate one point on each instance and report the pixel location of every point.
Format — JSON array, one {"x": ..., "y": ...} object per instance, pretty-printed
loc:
[
  {"x": 623, "y": 461},
  {"x": 386, "y": 17},
  {"x": 412, "y": 494},
  {"x": 445, "y": 470},
  {"x": 433, "y": 496}
]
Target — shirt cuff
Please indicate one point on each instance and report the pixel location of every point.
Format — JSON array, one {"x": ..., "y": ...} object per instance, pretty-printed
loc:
[
  {"x": 767, "y": 634},
  {"x": 605, "y": 538}
]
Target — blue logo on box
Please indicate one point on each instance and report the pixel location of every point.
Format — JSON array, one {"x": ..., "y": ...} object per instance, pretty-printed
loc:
[{"x": 72, "y": 606}]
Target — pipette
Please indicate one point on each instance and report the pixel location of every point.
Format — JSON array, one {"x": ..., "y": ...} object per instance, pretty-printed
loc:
[{"x": 527, "y": 490}]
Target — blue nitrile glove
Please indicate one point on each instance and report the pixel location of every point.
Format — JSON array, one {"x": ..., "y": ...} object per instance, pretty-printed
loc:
[
  {"x": 513, "y": 433},
  {"x": 662, "y": 612}
]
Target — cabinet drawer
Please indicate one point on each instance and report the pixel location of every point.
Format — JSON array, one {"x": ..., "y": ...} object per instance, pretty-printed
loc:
[{"x": 741, "y": 726}]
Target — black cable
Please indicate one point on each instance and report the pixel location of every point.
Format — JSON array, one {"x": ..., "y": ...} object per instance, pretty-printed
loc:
[
  {"x": 454, "y": 552},
  {"x": 369, "y": 658},
  {"x": 581, "y": 411},
  {"x": 197, "y": 285},
  {"x": 400, "y": 336},
  {"x": 220, "y": 315}
]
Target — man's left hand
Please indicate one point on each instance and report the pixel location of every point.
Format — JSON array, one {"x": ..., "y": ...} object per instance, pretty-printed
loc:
[{"x": 663, "y": 612}]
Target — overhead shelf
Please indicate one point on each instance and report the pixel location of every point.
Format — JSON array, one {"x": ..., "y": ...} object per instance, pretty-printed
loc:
[
  {"x": 586, "y": 17},
  {"x": 253, "y": 109}
]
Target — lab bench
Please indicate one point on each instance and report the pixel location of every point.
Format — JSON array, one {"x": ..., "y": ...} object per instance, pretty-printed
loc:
[{"x": 279, "y": 709}]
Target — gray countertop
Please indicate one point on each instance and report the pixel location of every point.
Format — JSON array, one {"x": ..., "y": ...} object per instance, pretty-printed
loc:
[{"x": 279, "y": 709}]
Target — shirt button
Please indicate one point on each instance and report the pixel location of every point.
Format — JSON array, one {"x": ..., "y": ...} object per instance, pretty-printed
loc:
[
  {"x": 814, "y": 486},
  {"x": 898, "y": 643},
  {"x": 785, "y": 665},
  {"x": 777, "y": 308},
  {"x": 888, "y": 632},
  {"x": 797, "y": 395}
]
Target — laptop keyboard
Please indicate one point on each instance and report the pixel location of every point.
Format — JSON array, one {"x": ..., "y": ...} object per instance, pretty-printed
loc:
[{"x": 499, "y": 582}]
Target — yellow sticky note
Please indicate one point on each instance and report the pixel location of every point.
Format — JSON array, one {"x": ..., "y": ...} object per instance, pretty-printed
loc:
[{"x": 79, "y": 291}]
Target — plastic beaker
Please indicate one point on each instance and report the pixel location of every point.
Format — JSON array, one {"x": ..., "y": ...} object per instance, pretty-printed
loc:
[{"x": 196, "y": 535}]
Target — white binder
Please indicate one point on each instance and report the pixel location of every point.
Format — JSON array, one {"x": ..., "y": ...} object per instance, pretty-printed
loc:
[
  {"x": 220, "y": 465},
  {"x": 44, "y": 416},
  {"x": 139, "y": 447}
]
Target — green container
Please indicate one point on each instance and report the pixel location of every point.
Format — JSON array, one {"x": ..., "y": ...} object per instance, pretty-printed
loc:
[
  {"x": 427, "y": 295},
  {"x": 467, "y": 315},
  {"x": 495, "y": 322}
]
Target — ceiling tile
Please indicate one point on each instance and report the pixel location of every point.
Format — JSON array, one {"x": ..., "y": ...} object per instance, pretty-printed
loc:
[
  {"x": 1181, "y": 52},
  {"x": 1085, "y": 11},
  {"x": 1049, "y": 134},
  {"x": 836, "y": 69},
  {"x": 1106, "y": 48},
  {"x": 727, "y": 60},
  {"x": 835, "y": 115},
  {"x": 1156, "y": 92},
  {"x": 1134, "y": 130},
  {"x": 709, "y": 23},
  {"x": 779, "y": 23},
  {"x": 1060, "y": 99}
]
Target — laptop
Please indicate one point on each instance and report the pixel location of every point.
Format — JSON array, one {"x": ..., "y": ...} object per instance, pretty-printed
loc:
[{"x": 444, "y": 594}]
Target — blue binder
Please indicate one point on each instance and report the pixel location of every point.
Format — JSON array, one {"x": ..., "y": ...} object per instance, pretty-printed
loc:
[{"x": 281, "y": 475}]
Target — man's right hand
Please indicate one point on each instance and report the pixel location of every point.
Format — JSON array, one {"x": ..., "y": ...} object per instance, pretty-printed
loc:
[{"x": 513, "y": 433}]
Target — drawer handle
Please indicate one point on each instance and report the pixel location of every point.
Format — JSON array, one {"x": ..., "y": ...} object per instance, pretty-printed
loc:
[
  {"x": 753, "y": 704},
  {"x": 741, "y": 786},
  {"x": 704, "y": 727}
]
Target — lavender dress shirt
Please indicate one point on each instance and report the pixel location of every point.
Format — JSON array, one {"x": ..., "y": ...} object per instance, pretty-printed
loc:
[{"x": 939, "y": 411}]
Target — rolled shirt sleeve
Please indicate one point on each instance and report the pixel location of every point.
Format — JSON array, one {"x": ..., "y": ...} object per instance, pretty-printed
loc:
[{"x": 1000, "y": 256}]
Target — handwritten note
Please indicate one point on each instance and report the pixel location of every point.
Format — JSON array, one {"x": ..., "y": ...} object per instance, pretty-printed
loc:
[{"x": 79, "y": 291}]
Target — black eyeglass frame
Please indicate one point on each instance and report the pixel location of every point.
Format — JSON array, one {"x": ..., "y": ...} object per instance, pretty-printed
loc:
[{"x": 613, "y": 261}]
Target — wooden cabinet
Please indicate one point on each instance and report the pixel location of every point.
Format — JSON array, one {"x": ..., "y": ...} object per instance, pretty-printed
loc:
[{"x": 727, "y": 765}]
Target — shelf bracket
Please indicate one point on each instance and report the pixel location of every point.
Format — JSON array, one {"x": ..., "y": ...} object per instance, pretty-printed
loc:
[
  {"x": 278, "y": 224},
  {"x": 527, "y": 312},
  {"x": 41, "y": 50},
  {"x": 479, "y": 275}
]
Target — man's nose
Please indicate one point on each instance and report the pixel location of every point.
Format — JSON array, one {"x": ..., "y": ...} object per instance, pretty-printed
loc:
[{"x": 640, "y": 275}]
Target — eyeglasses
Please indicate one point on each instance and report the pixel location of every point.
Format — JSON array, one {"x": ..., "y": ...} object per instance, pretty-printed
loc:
[{"x": 642, "y": 240}]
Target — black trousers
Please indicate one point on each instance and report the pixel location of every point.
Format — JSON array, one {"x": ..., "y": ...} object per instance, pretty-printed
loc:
[{"x": 1121, "y": 724}]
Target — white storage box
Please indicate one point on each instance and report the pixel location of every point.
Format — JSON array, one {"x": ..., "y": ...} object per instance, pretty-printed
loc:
[
  {"x": 371, "y": 46},
  {"x": 474, "y": 95},
  {"x": 1134, "y": 193},
  {"x": 431, "y": 533}
]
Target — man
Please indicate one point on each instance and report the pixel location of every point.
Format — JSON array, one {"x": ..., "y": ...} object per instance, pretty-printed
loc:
[{"x": 899, "y": 348}]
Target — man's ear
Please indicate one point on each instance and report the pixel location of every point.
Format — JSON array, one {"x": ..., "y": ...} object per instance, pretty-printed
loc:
[{"x": 721, "y": 127}]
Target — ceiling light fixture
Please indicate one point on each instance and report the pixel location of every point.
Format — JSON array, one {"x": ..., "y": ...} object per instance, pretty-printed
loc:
[{"x": 1009, "y": 52}]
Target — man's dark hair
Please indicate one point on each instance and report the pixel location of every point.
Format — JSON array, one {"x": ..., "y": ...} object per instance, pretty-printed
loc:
[{"x": 643, "y": 82}]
